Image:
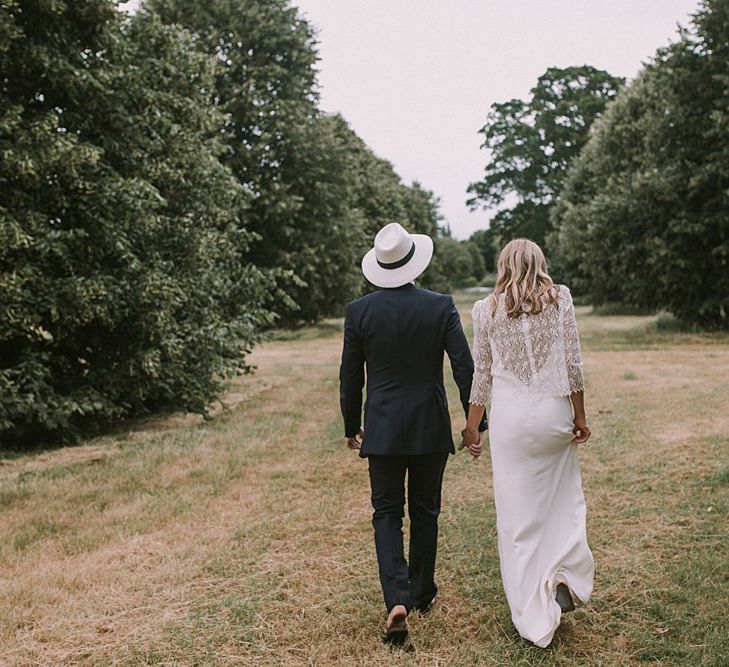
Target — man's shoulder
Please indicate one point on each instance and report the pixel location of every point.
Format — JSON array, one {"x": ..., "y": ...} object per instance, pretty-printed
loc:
[
  {"x": 356, "y": 303},
  {"x": 435, "y": 301},
  {"x": 435, "y": 296}
]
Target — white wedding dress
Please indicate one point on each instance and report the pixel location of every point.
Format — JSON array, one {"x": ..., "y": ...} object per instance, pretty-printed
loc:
[{"x": 527, "y": 367}]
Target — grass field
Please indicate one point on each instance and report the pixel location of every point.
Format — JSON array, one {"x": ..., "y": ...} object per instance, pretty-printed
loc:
[{"x": 247, "y": 540}]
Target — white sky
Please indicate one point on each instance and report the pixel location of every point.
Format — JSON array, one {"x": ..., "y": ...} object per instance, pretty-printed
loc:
[{"x": 416, "y": 78}]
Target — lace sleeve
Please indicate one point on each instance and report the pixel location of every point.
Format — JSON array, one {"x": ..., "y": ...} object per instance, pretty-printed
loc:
[
  {"x": 573, "y": 355},
  {"x": 481, "y": 386}
]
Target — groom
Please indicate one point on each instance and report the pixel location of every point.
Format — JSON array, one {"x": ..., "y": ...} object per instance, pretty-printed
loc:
[{"x": 399, "y": 333}]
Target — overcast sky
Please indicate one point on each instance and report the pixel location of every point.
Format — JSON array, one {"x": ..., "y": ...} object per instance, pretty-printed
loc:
[{"x": 416, "y": 78}]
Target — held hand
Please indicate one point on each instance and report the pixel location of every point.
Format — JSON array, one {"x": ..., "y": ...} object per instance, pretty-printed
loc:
[
  {"x": 356, "y": 441},
  {"x": 464, "y": 439},
  {"x": 473, "y": 440},
  {"x": 581, "y": 431},
  {"x": 477, "y": 449}
]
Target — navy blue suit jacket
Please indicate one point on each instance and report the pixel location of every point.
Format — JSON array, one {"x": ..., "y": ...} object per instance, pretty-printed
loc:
[{"x": 400, "y": 336}]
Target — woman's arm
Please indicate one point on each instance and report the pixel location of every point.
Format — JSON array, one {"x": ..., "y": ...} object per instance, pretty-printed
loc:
[
  {"x": 472, "y": 438},
  {"x": 573, "y": 360},
  {"x": 481, "y": 385},
  {"x": 475, "y": 415},
  {"x": 581, "y": 430}
]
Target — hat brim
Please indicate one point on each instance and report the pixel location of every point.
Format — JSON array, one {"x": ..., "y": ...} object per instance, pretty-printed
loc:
[{"x": 402, "y": 275}]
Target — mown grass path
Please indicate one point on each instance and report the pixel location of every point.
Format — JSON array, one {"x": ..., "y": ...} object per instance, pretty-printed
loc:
[{"x": 247, "y": 540}]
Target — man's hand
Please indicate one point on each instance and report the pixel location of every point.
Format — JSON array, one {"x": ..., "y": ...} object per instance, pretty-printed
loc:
[{"x": 356, "y": 441}]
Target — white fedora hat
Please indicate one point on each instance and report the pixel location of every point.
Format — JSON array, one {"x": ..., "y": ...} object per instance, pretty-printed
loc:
[{"x": 398, "y": 257}]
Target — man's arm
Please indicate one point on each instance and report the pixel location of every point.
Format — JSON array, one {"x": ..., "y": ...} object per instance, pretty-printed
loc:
[
  {"x": 456, "y": 347},
  {"x": 351, "y": 377}
]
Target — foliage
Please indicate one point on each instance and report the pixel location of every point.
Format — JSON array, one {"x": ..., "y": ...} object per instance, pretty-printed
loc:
[
  {"x": 377, "y": 192},
  {"x": 644, "y": 217},
  {"x": 421, "y": 210},
  {"x": 281, "y": 148},
  {"x": 122, "y": 285},
  {"x": 328, "y": 228},
  {"x": 478, "y": 266},
  {"x": 146, "y": 173},
  {"x": 485, "y": 240},
  {"x": 170, "y": 188},
  {"x": 319, "y": 193},
  {"x": 455, "y": 264},
  {"x": 531, "y": 144}
]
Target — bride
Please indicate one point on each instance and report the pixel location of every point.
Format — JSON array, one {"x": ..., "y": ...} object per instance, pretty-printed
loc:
[{"x": 528, "y": 366}]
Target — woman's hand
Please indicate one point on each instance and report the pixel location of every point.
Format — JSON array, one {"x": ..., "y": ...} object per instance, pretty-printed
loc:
[
  {"x": 472, "y": 439},
  {"x": 581, "y": 431}
]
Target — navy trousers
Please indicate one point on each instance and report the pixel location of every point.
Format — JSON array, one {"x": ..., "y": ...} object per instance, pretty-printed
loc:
[{"x": 410, "y": 583}]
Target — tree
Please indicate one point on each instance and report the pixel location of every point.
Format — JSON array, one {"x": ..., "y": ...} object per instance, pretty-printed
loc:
[
  {"x": 376, "y": 197},
  {"x": 319, "y": 193},
  {"x": 478, "y": 266},
  {"x": 644, "y": 217},
  {"x": 122, "y": 284},
  {"x": 332, "y": 239},
  {"x": 281, "y": 148},
  {"x": 531, "y": 145},
  {"x": 485, "y": 241},
  {"x": 377, "y": 192},
  {"x": 453, "y": 265},
  {"x": 421, "y": 210}
]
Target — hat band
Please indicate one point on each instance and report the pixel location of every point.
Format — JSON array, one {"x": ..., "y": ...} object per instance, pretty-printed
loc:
[{"x": 400, "y": 262}]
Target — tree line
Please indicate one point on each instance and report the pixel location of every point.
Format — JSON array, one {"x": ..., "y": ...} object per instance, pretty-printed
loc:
[
  {"x": 170, "y": 189},
  {"x": 627, "y": 185}
]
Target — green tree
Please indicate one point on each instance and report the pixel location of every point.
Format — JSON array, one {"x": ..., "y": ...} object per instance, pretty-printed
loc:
[
  {"x": 281, "y": 148},
  {"x": 455, "y": 264},
  {"x": 531, "y": 144},
  {"x": 478, "y": 266},
  {"x": 644, "y": 216},
  {"x": 377, "y": 192},
  {"x": 485, "y": 240},
  {"x": 377, "y": 197},
  {"x": 331, "y": 238},
  {"x": 122, "y": 286},
  {"x": 319, "y": 193},
  {"x": 421, "y": 210}
]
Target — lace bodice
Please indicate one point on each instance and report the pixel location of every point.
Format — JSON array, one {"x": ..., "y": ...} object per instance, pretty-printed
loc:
[{"x": 540, "y": 353}]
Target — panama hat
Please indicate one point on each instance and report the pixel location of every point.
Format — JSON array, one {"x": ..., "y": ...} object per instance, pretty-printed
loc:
[{"x": 398, "y": 257}]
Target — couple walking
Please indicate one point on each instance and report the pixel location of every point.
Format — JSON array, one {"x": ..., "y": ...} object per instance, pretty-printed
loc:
[{"x": 528, "y": 368}]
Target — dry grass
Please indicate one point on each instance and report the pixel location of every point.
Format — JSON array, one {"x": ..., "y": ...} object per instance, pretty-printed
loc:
[{"x": 247, "y": 540}]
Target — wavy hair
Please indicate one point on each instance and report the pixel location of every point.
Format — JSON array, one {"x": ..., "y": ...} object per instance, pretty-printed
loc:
[{"x": 523, "y": 279}]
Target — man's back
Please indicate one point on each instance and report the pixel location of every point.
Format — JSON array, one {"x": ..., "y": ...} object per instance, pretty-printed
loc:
[{"x": 400, "y": 335}]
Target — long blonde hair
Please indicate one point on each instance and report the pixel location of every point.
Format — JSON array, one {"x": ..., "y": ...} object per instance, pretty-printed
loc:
[{"x": 523, "y": 279}]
